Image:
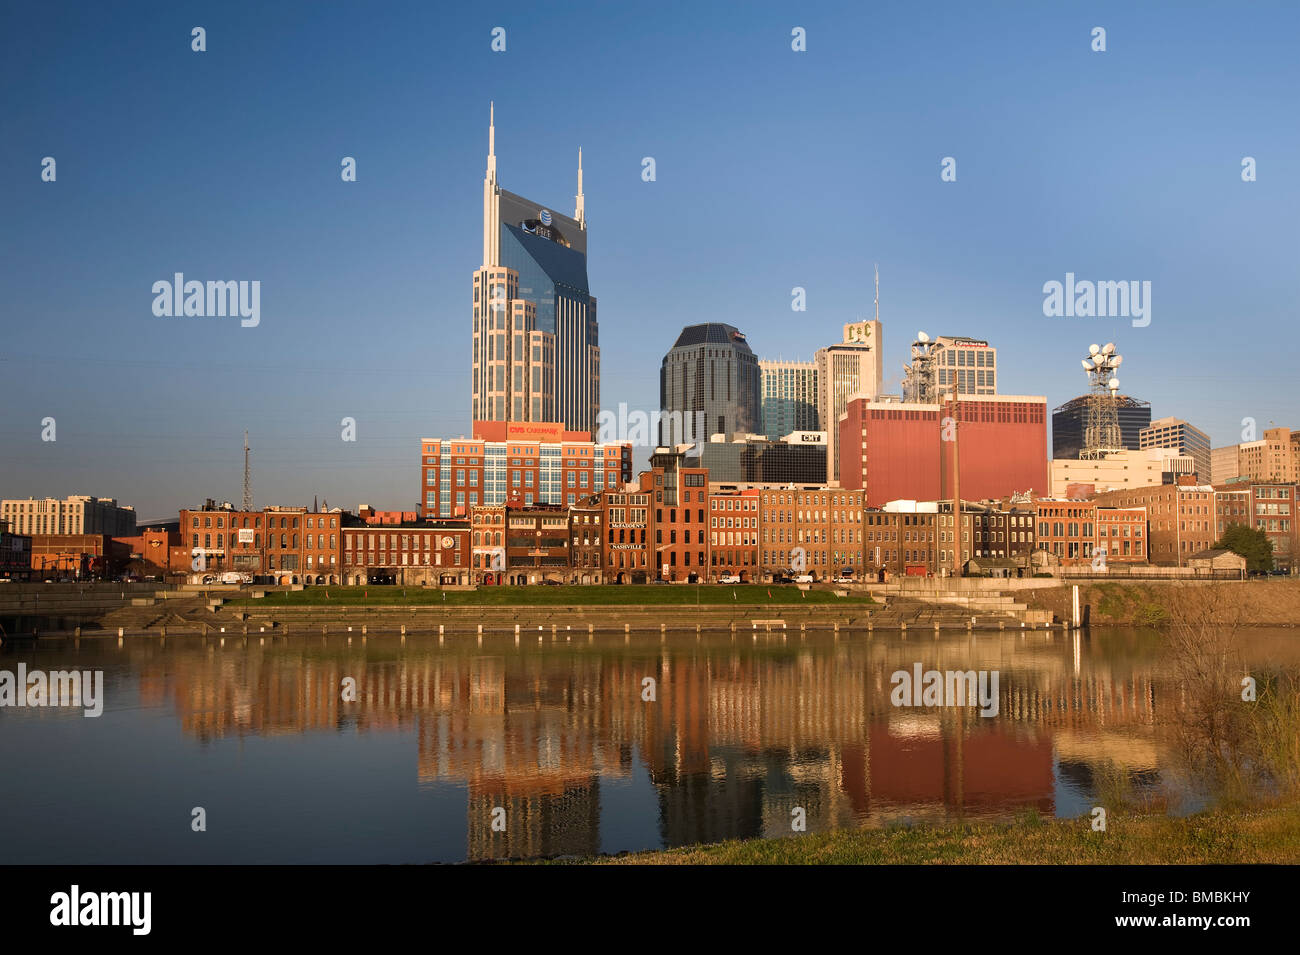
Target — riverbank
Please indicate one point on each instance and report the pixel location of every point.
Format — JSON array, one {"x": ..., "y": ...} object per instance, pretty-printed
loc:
[
  {"x": 1264, "y": 603},
  {"x": 1222, "y": 836},
  {"x": 677, "y": 595}
]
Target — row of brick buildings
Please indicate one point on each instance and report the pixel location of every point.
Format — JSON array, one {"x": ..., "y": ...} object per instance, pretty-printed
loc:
[{"x": 673, "y": 524}]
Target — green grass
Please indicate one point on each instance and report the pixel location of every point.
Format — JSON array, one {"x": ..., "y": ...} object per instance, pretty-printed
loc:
[
  {"x": 541, "y": 596},
  {"x": 1268, "y": 835}
]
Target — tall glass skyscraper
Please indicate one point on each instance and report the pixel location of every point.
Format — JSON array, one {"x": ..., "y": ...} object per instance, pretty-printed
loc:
[
  {"x": 790, "y": 396},
  {"x": 536, "y": 343},
  {"x": 708, "y": 384}
]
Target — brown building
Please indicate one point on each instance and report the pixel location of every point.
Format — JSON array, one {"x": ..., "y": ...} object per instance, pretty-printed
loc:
[
  {"x": 537, "y": 544},
  {"x": 15, "y": 554},
  {"x": 679, "y": 526},
  {"x": 733, "y": 534},
  {"x": 291, "y": 545},
  {"x": 1273, "y": 512},
  {"x": 78, "y": 556},
  {"x": 219, "y": 539},
  {"x": 902, "y": 543},
  {"x": 488, "y": 551},
  {"x": 628, "y": 547},
  {"x": 587, "y": 541},
  {"x": 156, "y": 552},
  {"x": 818, "y": 532},
  {"x": 1181, "y": 518},
  {"x": 409, "y": 554}
]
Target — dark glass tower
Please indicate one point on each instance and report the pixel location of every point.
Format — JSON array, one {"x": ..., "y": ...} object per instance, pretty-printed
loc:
[{"x": 709, "y": 380}]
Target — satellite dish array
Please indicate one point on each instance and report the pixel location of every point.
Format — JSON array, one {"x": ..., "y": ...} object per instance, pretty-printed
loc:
[{"x": 1101, "y": 364}]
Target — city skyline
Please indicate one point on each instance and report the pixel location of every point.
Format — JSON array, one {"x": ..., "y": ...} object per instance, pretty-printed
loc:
[{"x": 757, "y": 191}]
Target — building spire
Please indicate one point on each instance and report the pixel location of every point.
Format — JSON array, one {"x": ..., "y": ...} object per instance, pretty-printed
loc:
[
  {"x": 492, "y": 142},
  {"x": 491, "y": 202},
  {"x": 581, "y": 212}
]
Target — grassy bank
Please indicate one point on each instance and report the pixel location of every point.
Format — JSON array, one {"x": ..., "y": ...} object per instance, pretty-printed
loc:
[
  {"x": 1274, "y": 602},
  {"x": 539, "y": 596},
  {"x": 1270, "y": 835}
]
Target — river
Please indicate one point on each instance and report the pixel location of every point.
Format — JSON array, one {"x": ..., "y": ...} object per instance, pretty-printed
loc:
[{"x": 561, "y": 746}]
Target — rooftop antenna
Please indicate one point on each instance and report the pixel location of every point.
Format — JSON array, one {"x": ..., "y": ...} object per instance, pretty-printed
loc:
[
  {"x": 248, "y": 485},
  {"x": 1102, "y": 434},
  {"x": 877, "y": 292}
]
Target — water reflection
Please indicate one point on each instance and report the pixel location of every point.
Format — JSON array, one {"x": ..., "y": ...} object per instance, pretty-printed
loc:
[{"x": 739, "y": 734}]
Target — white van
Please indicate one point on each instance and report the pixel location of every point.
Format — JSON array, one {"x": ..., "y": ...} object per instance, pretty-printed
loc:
[
  {"x": 729, "y": 579},
  {"x": 804, "y": 579}
]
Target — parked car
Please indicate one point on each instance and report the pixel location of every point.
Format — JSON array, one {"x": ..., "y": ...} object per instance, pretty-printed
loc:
[
  {"x": 806, "y": 578},
  {"x": 782, "y": 579}
]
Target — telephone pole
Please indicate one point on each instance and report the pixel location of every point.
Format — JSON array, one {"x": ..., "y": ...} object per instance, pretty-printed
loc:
[{"x": 248, "y": 486}]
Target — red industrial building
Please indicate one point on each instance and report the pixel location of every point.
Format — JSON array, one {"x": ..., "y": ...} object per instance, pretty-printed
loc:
[{"x": 903, "y": 451}]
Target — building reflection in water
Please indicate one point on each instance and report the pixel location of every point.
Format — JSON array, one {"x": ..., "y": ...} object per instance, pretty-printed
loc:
[{"x": 737, "y": 737}]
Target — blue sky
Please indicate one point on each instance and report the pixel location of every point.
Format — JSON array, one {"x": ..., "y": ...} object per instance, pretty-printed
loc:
[{"x": 775, "y": 169}]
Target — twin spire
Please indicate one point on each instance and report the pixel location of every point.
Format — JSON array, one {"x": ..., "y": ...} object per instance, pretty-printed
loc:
[{"x": 580, "y": 212}]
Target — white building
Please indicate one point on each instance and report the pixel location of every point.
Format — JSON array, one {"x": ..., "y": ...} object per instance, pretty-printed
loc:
[{"x": 847, "y": 370}]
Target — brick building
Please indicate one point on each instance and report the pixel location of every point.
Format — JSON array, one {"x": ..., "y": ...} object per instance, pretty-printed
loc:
[
  {"x": 518, "y": 464},
  {"x": 818, "y": 532},
  {"x": 537, "y": 544},
  {"x": 1181, "y": 518},
  {"x": 407, "y": 554},
  {"x": 628, "y": 541},
  {"x": 1273, "y": 512},
  {"x": 287, "y": 544},
  {"x": 898, "y": 451},
  {"x": 77, "y": 556},
  {"x": 587, "y": 541},
  {"x": 901, "y": 541},
  {"x": 733, "y": 534},
  {"x": 678, "y": 527},
  {"x": 15, "y": 554},
  {"x": 156, "y": 552}
]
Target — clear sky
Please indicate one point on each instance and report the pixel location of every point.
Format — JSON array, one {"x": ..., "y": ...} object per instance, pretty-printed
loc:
[{"x": 774, "y": 169}]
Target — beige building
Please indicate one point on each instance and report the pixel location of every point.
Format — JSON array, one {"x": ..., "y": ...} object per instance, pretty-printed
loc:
[
  {"x": 1223, "y": 464},
  {"x": 76, "y": 514},
  {"x": 1275, "y": 458},
  {"x": 847, "y": 370},
  {"x": 1118, "y": 470}
]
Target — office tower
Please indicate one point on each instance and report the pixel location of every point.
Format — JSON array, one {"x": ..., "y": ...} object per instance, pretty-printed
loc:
[
  {"x": 1069, "y": 422},
  {"x": 936, "y": 363},
  {"x": 1187, "y": 439},
  {"x": 789, "y": 394},
  {"x": 847, "y": 370},
  {"x": 708, "y": 384},
  {"x": 536, "y": 345}
]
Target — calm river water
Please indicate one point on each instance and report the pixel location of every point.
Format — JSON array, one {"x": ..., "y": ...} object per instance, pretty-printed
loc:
[{"x": 557, "y": 744}]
